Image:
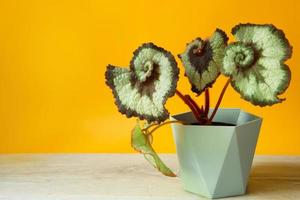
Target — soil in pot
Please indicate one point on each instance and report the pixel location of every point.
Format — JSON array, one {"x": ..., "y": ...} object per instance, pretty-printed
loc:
[{"x": 214, "y": 124}]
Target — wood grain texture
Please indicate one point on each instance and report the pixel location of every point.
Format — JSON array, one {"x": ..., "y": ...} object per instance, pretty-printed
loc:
[{"x": 128, "y": 177}]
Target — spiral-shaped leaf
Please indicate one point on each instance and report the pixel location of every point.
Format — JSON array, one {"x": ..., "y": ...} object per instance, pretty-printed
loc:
[
  {"x": 256, "y": 65},
  {"x": 143, "y": 89},
  {"x": 202, "y": 59}
]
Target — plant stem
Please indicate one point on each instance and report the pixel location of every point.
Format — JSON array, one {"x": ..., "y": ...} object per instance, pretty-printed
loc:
[
  {"x": 195, "y": 105},
  {"x": 206, "y": 102},
  {"x": 219, "y": 101},
  {"x": 190, "y": 105},
  {"x": 162, "y": 124},
  {"x": 151, "y": 125}
]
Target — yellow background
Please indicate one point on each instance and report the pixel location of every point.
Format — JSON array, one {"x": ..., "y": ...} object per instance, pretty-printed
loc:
[{"x": 53, "y": 55}]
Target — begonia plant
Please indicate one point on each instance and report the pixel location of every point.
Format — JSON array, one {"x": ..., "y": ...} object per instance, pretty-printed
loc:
[{"x": 254, "y": 64}]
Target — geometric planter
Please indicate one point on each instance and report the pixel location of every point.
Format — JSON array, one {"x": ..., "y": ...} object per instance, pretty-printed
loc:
[{"x": 215, "y": 161}]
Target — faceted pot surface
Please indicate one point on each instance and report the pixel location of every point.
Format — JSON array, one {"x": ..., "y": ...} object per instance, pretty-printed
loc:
[{"x": 215, "y": 161}]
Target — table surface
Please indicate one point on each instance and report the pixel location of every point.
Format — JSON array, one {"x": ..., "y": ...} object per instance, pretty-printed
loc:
[{"x": 128, "y": 177}]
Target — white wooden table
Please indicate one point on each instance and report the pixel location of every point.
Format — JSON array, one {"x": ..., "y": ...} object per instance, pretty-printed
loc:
[{"x": 128, "y": 177}]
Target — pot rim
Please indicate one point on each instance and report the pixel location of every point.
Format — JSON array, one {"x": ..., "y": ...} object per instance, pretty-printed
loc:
[{"x": 255, "y": 118}]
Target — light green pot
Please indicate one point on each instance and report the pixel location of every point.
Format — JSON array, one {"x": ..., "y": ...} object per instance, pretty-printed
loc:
[{"x": 215, "y": 161}]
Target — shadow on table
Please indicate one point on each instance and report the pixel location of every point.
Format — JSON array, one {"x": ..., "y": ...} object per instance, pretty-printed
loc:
[{"x": 275, "y": 177}]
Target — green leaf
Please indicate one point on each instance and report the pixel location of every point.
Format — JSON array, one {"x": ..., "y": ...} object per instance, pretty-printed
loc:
[
  {"x": 256, "y": 63},
  {"x": 202, "y": 60},
  {"x": 140, "y": 142},
  {"x": 143, "y": 89}
]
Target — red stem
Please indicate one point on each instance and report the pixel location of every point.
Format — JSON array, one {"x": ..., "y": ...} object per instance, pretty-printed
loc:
[
  {"x": 195, "y": 105},
  {"x": 190, "y": 105},
  {"x": 206, "y": 102},
  {"x": 219, "y": 101}
]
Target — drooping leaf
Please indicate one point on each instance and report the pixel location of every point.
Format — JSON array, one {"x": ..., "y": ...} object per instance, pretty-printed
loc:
[
  {"x": 202, "y": 59},
  {"x": 143, "y": 90},
  {"x": 256, "y": 65},
  {"x": 140, "y": 142}
]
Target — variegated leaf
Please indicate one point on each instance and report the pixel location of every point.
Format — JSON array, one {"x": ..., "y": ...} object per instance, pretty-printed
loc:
[
  {"x": 202, "y": 59},
  {"x": 256, "y": 65},
  {"x": 143, "y": 89}
]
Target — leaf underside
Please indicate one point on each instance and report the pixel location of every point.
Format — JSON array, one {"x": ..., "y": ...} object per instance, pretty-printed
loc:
[{"x": 140, "y": 142}]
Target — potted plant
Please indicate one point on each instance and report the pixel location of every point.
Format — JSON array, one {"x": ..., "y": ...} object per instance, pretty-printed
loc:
[{"x": 215, "y": 147}]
